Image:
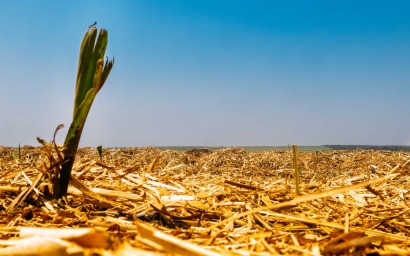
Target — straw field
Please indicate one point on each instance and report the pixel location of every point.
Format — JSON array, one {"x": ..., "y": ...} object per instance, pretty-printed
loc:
[{"x": 150, "y": 201}]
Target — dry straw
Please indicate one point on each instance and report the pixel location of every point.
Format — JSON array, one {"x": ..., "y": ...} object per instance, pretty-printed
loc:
[{"x": 147, "y": 201}]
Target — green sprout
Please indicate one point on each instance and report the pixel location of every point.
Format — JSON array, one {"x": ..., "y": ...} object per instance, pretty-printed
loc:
[
  {"x": 19, "y": 154},
  {"x": 99, "y": 149},
  {"x": 91, "y": 76}
]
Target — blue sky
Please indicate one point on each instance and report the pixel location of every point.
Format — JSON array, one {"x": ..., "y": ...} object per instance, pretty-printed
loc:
[{"x": 211, "y": 73}]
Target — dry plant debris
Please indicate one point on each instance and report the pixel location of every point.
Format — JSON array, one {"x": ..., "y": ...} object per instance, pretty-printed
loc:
[{"x": 147, "y": 201}]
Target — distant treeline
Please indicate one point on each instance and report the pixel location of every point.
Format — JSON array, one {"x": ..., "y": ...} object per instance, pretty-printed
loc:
[{"x": 390, "y": 147}]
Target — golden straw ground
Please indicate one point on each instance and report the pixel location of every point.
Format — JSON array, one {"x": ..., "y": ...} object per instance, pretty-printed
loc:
[{"x": 202, "y": 202}]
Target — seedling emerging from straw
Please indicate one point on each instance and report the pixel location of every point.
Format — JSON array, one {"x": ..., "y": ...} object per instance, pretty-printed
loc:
[
  {"x": 91, "y": 76},
  {"x": 296, "y": 170},
  {"x": 18, "y": 157},
  {"x": 99, "y": 149}
]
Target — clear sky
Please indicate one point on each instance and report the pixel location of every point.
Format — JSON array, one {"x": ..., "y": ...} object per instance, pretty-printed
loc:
[{"x": 211, "y": 73}]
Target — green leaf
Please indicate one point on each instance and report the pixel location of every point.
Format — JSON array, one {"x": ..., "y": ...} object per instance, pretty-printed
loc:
[
  {"x": 99, "y": 149},
  {"x": 91, "y": 51}
]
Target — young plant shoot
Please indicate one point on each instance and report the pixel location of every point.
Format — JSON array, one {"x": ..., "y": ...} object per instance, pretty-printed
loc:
[
  {"x": 91, "y": 76},
  {"x": 99, "y": 149}
]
